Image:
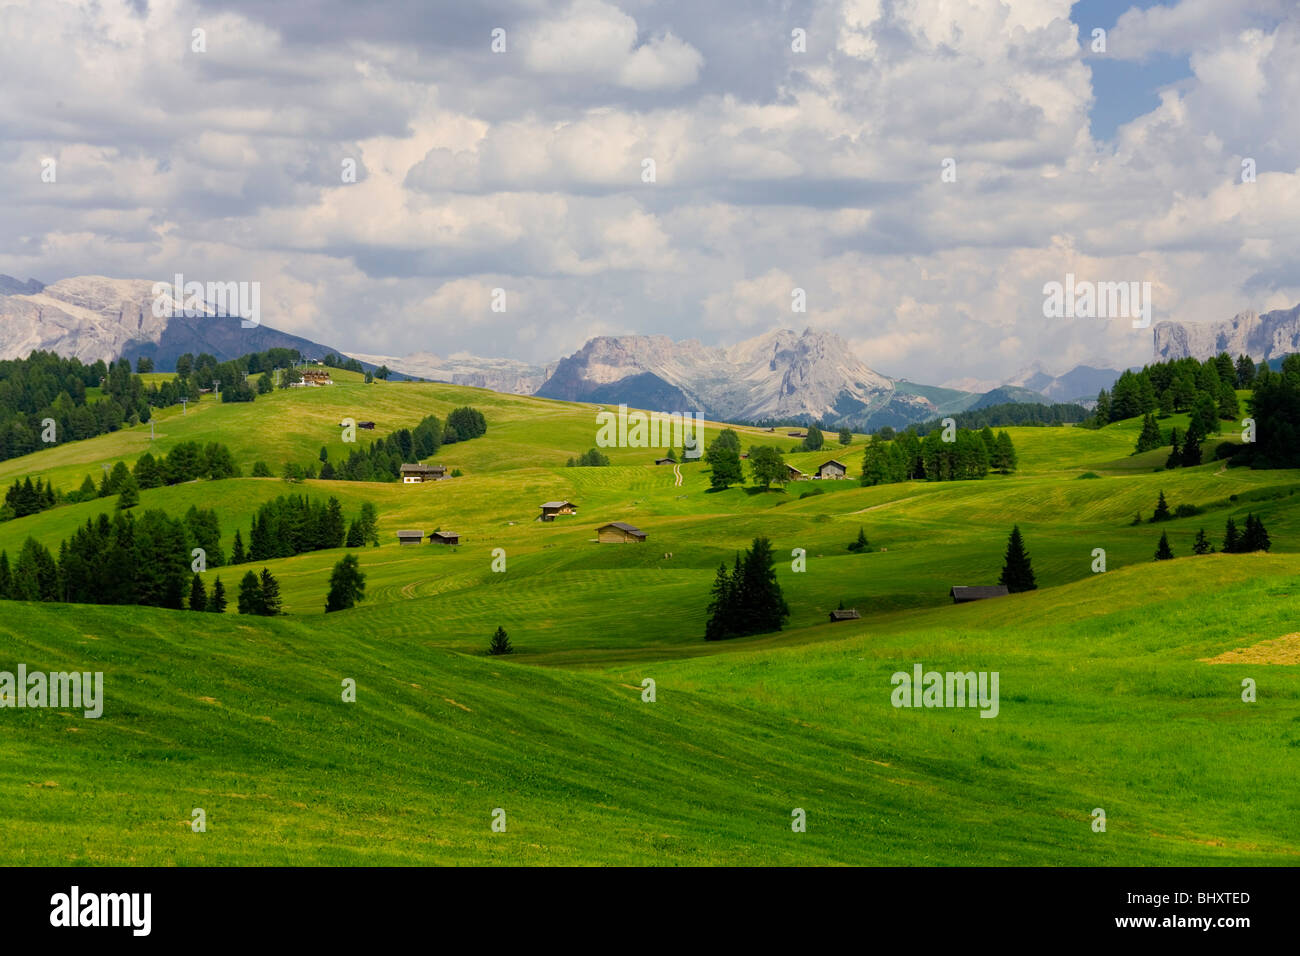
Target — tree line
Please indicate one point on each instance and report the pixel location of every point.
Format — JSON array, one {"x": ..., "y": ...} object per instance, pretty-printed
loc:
[
  {"x": 1007, "y": 413},
  {"x": 382, "y": 459}
]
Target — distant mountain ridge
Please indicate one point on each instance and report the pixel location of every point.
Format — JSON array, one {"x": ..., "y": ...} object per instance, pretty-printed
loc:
[
  {"x": 1262, "y": 337},
  {"x": 96, "y": 317}
]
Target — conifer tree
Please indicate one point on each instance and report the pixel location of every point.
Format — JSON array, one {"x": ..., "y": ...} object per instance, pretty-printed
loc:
[
  {"x": 1255, "y": 537},
  {"x": 500, "y": 642},
  {"x": 1162, "y": 510},
  {"x": 217, "y": 600},
  {"x": 1191, "y": 454},
  {"x": 1175, "y": 453},
  {"x": 1202, "y": 544},
  {"x": 719, "y": 626},
  {"x": 1163, "y": 551},
  {"x": 270, "y": 594},
  {"x": 1231, "y": 538},
  {"x": 347, "y": 585},
  {"x": 861, "y": 543},
  {"x": 198, "y": 594},
  {"x": 1017, "y": 570},
  {"x": 250, "y": 594},
  {"x": 1150, "y": 438},
  {"x": 237, "y": 554}
]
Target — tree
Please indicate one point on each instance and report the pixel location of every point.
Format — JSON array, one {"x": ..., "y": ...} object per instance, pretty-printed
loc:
[
  {"x": 144, "y": 365},
  {"x": 260, "y": 470},
  {"x": 1017, "y": 570},
  {"x": 500, "y": 643},
  {"x": 846, "y": 437},
  {"x": 723, "y": 458},
  {"x": 766, "y": 466},
  {"x": 762, "y": 605},
  {"x": 198, "y": 594},
  {"x": 1150, "y": 438},
  {"x": 1175, "y": 453},
  {"x": 237, "y": 553},
  {"x": 270, "y": 594},
  {"x": 355, "y": 538},
  {"x": 814, "y": 440},
  {"x": 128, "y": 495},
  {"x": 1245, "y": 372},
  {"x": 347, "y": 585},
  {"x": 1202, "y": 544},
  {"x": 383, "y": 372},
  {"x": 1163, "y": 551},
  {"x": 860, "y": 544},
  {"x": 217, "y": 602},
  {"x": 1004, "y": 460},
  {"x": 1162, "y": 510},
  {"x": 1255, "y": 537},
  {"x": 250, "y": 595},
  {"x": 1231, "y": 538},
  {"x": 721, "y": 606},
  {"x": 369, "y": 524},
  {"x": 1191, "y": 454}
]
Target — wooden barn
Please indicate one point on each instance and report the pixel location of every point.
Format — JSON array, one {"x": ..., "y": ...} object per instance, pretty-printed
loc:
[
  {"x": 794, "y": 474},
  {"x": 961, "y": 595},
  {"x": 415, "y": 474},
  {"x": 832, "y": 469},
  {"x": 845, "y": 614},
  {"x": 665, "y": 461},
  {"x": 618, "y": 532},
  {"x": 552, "y": 508},
  {"x": 410, "y": 537},
  {"x": 444, "y": 537}
]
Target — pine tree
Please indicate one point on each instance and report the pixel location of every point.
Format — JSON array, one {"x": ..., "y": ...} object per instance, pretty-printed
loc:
[
  {"x": 1017, "y": 571},
  {"x": 128, "y": 493},
  {"x": 355, "y": 538},
  {"x": 1255, "y": 537},
  {"x": 347, "y": 585},
  {"x": 250, "y": 595},
  {"x": 1163, "y": 551},
  {"x": 217, "y": 601},
  {"x": 861, "y": 543},
  {"x": 1191, "y": 454},
  {"x": 1175, "y": 453},
  {"x": 719, "y": 626},
  {"x": 763, "y": 606},
  {"x": 198, "y": 594},
  {"x": 1005, "y": 459},
  {"x": 237, "y": 554},
  {"x": 1162, "y": 510},
  {"x": 1202, "y": 544},
  {"x": 500, "y": 643},
  {"x": 270, "y": 594},
  {"x": 1150, "y": 438},
  {"x": 1231, "y": 539}
]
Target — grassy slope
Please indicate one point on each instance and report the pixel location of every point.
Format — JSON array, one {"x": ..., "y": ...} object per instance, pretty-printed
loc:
[{"x": 1104, "y": 700}]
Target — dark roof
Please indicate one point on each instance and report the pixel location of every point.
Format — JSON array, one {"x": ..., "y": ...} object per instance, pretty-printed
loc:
[
  {"x": 622, "y": 526},
  {"x": 845, "y": 614},
  {"x": 833, "y": 461},
  {"x": 665, "y": 461},
  {"x": 444, "y": 534},
  {"x": 421, "y": 469},
  {"x": 978, "y": 592},
  {"x": 557, "y": 504},
  {"x": 410, "y": 534}
]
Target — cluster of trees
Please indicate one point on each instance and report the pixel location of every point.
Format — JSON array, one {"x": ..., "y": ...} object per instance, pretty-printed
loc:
[
  {"x": 118, "y": 560},
  {"x": 970, "y": 455},
  {"x": 1206, "y": 389},
  {"x": 382, "y": 459},
  {"x": 294, "y": 524},
  {"x": 27, "y": 498},
  {"x": 592, "y": 458},
  {"x": 1253, "y": 538},
  {"x": 860, "y": 544},
  {"x": 747, "y": 598},
  {"x": 1008, "y": 413},
  {"x": 259, "y": 594},
  {"x": 1275, "y": 406},
  {"x": 46, "y": 386},
  {"x": 201, "y": 600},
  {"x": 338, "y": 361}
]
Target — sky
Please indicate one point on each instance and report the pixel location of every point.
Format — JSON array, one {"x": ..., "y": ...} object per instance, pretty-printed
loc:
[{"x": 779, "y": 165}]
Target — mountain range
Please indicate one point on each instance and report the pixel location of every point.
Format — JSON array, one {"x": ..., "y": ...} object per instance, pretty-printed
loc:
[
  {"x": 783, "y": 375},
  {"x": 1262, "y": 337}
]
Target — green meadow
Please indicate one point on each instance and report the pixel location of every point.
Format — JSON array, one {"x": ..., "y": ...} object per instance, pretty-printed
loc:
[{"x": 1119, "y": 691}]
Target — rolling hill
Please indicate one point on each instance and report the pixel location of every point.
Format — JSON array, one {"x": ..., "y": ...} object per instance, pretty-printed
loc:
[{"x": 1119, "y": 690}]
